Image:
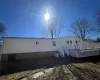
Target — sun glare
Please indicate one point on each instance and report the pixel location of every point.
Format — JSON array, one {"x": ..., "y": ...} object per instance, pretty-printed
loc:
[{"x": 47, "y": 16}]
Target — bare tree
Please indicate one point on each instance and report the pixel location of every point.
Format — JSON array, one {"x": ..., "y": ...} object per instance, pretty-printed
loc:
[
  {"x": 2, "y": 29},
  {"x": 55, "y": 27},
  {"x": 96, "y": 25},
  {"x": 81, "y": 28}
]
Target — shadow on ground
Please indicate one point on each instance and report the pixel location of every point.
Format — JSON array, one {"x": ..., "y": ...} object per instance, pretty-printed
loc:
[{"x": 31, "y": 64}]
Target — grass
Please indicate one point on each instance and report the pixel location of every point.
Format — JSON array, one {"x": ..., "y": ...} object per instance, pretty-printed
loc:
[
  {"x": 76, "y": 71},
  {"x": 19, "y": 75},
  {"x": 79, "y": 71}
]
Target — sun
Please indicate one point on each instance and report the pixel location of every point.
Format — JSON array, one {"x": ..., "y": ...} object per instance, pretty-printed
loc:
[{"x": 47, "y": 16}]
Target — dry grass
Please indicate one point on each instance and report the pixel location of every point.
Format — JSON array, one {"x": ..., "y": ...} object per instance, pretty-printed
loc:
[
  {"x": 77, "y": 71},
  {"x": 19, "y": 75}
]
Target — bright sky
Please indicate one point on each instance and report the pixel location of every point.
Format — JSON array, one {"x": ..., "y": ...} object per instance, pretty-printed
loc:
[{"x": 25, "y": 18}]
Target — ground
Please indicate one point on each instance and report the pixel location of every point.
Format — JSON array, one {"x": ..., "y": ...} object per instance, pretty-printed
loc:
[{"x": 74, "y": 69}]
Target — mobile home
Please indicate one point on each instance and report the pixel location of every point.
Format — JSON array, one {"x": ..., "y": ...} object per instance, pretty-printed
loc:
[{"x": 21, "y": 48}]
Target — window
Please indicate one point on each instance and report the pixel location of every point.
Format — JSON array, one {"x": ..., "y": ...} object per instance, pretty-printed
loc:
[
  {"x": 67, "y": 41},
  {"x": 54, "y": 43},
  {"x": 37, "y": 43},
  {"x": 71, "y": 42}
]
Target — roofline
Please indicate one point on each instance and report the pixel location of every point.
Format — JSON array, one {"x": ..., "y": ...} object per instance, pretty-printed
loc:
[
  {"x": 25, "y": 38},
  {"x": 33, "y": 37}
]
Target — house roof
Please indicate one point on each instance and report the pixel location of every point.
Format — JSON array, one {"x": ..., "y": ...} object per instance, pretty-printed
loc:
[
  {"x": 37, "y": 38},
  {"x": 26, "y": 38}
]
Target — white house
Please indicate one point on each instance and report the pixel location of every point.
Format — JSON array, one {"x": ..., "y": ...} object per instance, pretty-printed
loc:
[{"x": 20, "y": 48}]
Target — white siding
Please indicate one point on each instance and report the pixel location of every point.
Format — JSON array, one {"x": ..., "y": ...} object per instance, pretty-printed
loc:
[
  {"x": 20, "y": 45},
  {"x": 24, "y": 45}
]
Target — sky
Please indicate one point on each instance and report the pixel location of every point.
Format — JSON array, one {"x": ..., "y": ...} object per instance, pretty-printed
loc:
[{"x": 25, "y": 18}]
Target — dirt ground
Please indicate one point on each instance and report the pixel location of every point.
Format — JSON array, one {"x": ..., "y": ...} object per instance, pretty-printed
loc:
[
  {"x": 76, "y": 71},
  {"x": 88, "y": 69},
  {"x": 79, "y": 71}
]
